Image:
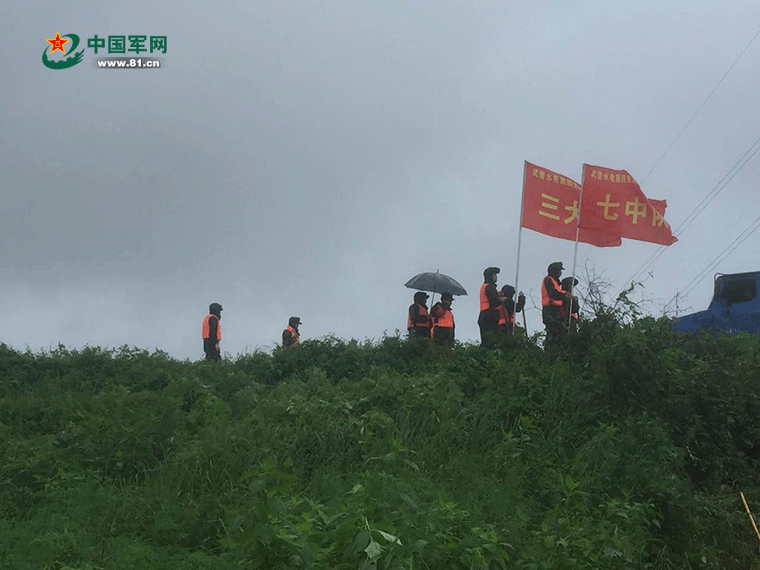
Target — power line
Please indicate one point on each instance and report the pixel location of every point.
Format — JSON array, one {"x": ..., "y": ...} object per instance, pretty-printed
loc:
[
  {"x": 678, "y": 136},
  {"x": 717, "y": 189},
  {"x": 661, "y": 249},
  {"x": 749, "y": 230},
  {"x": 706, "y": 201}
]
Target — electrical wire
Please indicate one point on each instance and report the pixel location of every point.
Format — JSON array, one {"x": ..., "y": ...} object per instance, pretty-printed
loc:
[
  {"x": 749, "y": 230},
  {"x": 699, "y": 208},
  {"x": 678, "y": 136},
  {"x": 655, "y": 256}
]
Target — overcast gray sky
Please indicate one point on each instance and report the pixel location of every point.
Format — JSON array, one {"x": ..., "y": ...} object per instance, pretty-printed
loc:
[{"x": 307, "y": 158}]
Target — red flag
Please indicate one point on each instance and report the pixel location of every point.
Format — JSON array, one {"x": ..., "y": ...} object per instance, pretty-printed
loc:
[
  {"x": 613, "y": 203},
  {"x": 550, "y": 207}
]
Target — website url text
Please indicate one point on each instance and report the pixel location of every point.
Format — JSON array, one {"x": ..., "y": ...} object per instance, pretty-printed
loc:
[{"x": 126, "y": 63}]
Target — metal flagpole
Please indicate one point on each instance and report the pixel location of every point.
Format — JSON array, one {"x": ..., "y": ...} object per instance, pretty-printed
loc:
[
  {"x": 519, "y": 242},
  {"x": 575, "y": 254},
  {"x": 519, "y": 231}
]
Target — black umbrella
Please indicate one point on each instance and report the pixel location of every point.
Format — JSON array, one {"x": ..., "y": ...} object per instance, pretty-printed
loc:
[{"x": 435, "y": 283}]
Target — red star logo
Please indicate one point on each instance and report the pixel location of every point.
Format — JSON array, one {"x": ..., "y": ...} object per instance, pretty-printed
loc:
[{"x": 57, "y": 43}]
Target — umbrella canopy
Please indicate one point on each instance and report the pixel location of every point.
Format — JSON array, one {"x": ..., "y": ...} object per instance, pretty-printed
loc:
[{"x": 435, "y": 283}]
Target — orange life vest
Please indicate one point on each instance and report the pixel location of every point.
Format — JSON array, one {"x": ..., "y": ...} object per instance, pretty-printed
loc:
[
  {"x": 445, "y": 321},
  {"x": 545, "y": 299},
  {"x": 206, "y": 333},
  {"x": 563, "y": 311},
  {"x": 295, "y": 335},
  {"x": 422, "y": 311},
  {"x": 484, "y": 302},
  {"x": 504, "y": 316}
]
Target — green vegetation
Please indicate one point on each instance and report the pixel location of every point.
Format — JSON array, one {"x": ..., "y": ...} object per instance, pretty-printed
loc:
[{"x": 627, "y": 450}]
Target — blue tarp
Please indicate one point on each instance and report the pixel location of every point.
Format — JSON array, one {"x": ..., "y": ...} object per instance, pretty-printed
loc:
[{"x": 735, "y": 307}]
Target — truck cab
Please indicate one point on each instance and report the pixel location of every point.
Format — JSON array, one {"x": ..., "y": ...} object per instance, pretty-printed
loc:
[{"x": 735, "y": 306}]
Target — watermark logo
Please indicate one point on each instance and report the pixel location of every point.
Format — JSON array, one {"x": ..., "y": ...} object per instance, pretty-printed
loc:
[
  {"x": 57, "y": 44},
  {"x": 146, "y": 48},
  {"x": 137, "y": 44},
  {"x": 124, "y": 45}
]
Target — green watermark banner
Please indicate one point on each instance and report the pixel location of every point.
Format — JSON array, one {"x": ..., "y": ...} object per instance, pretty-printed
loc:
[{"x": 135, "y": 47}]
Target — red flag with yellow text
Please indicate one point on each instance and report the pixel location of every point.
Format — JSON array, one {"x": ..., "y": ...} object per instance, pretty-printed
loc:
[
  {"x": 550, "y": 207},
  {"x": 613, "y": 204}
]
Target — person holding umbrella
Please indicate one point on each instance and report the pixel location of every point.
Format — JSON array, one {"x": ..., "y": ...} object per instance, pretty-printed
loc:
[
  {"x": 488, "y": 319},
  {"x": 443, "y": 320},
  {"x": 418, "y": 320}
]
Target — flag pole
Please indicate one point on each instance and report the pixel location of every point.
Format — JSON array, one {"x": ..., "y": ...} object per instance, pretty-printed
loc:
[
  {"x": 519, "y": 242},
  {"x": 575, "y": 253},
  {"x": 519, "y": 231}
]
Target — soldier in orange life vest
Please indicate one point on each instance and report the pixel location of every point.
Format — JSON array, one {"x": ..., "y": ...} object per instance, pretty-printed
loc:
[
  {"x": 568, "y": 284},
  {"x": 443, "y": 320},
  {"x": 508, "y": 309},
  {"x": 552, "y": 297},
  {"x": 488, "y": 319},
  {"x": 212, "y": 332},
  {"x": 291, "y": 336},
  {"x": 418, "y": 319}
]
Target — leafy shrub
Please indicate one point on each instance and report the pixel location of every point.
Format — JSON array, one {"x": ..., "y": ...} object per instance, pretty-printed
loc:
[{"x": 625, "y": 448}]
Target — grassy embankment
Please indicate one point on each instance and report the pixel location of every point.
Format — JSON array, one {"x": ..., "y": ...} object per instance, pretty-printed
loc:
[{"x": 342, "y": 455}]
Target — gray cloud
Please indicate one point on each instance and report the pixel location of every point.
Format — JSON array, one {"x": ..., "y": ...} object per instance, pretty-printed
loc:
[{"x": 309, "y": 157}]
